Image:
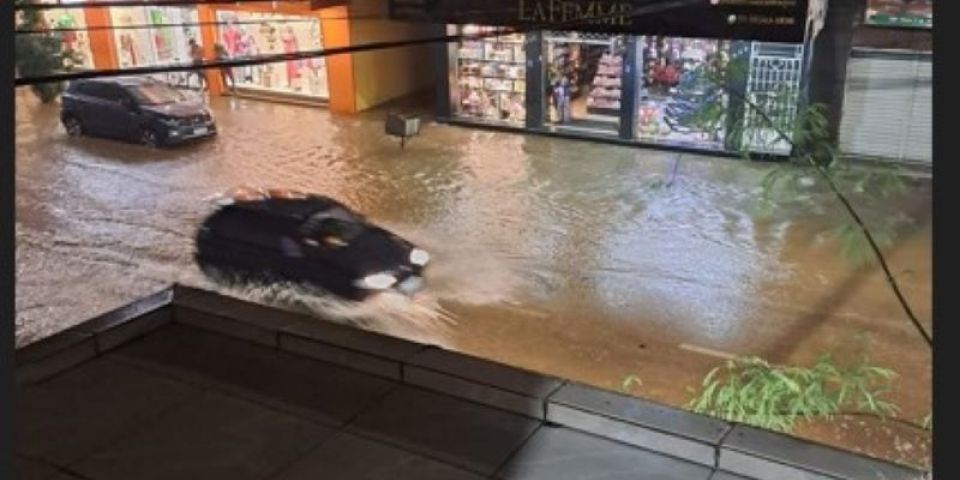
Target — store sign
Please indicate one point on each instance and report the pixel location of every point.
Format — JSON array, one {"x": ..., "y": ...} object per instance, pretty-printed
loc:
[
  {"x": 765, "y": 20},
  {"x": 900, "y": 13}
]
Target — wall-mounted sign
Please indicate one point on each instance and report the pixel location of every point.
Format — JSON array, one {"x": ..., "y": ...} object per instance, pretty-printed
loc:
[
  {"x": 768, "y": 20},
  {"x": 900, "y": 13}
]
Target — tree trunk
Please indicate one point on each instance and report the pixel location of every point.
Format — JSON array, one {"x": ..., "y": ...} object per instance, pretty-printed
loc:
[{"x": 831, "y": 51}]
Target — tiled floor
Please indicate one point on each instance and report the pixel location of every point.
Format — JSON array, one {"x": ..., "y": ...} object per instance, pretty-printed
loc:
[{"x": 186, "y": 404}]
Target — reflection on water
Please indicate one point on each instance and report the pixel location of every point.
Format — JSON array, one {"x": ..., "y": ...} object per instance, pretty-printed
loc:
[{"x": 588, "y": 261}]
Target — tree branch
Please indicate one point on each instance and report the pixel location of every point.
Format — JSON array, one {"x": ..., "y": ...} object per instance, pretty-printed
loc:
[{"x": 850, "y": 210}]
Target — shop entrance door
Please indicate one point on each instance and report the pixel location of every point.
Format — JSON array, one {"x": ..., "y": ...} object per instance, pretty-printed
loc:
[{"x": 584, "y": 81}]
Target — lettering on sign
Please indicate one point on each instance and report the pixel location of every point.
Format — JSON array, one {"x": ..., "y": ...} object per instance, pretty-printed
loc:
[{"x": 593, "y": 12}]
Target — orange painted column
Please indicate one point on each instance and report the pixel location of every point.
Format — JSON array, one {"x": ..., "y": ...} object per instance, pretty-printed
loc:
[
  {"x": 101, "y": 41},
  {"x": 336, "y": 33},
  {"x": 208, "y": 36}
]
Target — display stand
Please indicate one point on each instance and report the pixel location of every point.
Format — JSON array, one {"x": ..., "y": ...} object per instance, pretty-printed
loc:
[
  {"x": 492, "y": 78},
  {"x": 606, "y": 91}
]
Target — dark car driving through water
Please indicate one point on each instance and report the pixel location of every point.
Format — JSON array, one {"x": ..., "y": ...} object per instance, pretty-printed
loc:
[
  {"x": 134, "y": 108},
  {"x": 280, "y": 235}
]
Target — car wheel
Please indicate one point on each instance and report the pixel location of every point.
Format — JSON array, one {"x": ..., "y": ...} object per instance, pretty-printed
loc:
[
  {"x": 148, "y": 138},
  {"x": 73, "y": 126}
]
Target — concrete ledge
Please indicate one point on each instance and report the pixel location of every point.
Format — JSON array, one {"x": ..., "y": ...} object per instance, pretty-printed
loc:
[
  {"x": 226, "y": 325},
  {"x": 45, "y": 358},
  {"x": 721, "y": 475},
  {"x": 638, "y": 422},
  {"x": 481, "y": 381},
  {"x": 377, "y": 345},
  {"x": 263, "y": 317},
  {"x": 344, "y": 357},
  {"x": 735, "y": 452},
  {"x": 771, "y": 456},
  {"x": 475, "y": 392}
]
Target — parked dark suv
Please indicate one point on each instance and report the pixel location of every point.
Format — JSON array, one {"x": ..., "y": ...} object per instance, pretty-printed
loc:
[{"x": 134, "y": 108}]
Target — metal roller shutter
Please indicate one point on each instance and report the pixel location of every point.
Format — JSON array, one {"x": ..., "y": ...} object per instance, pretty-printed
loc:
[{"x": 887, "y": 110}]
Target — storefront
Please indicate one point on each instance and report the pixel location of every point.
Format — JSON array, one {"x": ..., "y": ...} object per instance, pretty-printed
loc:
[
  {"x": 642, "y": 89},
  {"x": 628, "y": 71},
  {"x": 245, "y": 34},
  {"x": 141, "y": 37},
  {"x": 130, "y": 36}
]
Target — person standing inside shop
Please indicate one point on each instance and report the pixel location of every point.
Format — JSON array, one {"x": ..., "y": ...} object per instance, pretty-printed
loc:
[
  {"x": 196, "y": 57},
  {"x": 561, "y": 98},
  {"x": 225, "y": 72}
]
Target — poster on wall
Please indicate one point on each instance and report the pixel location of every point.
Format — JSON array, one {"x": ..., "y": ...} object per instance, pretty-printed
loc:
[{"x": 900, "y": 13}]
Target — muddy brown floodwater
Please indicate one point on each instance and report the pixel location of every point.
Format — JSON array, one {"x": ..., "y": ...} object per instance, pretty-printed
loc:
[{"x": 587, "y": 261}]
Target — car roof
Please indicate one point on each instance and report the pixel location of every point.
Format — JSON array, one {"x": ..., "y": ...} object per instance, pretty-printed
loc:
[
  {"x": 124, "y": 81},
  {"x": 297, "y": 208}
]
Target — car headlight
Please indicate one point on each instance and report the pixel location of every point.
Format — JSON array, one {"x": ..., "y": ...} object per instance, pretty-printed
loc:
[
  {"x": 377, "y": 281},
  {"x": 419, "y": 257}
]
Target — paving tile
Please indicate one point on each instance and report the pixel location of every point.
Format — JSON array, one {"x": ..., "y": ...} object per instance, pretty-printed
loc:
[
  {"x": 476, "y": 392},
  {"x": 456, "y": 431},
  {"x": 354, "y": 339},
  {"x": 24, "y": 469},
  {"x": 638, "y": 422},
  {"x": 344, "y": 357},
  {"x": 350, "y": 457},
  {"x": 214, "y": 437},
  {"x": 763, "y": 454},
  {"x": 320, "y": 391},
  {"x": 561, "y": 453},
  {"x": 70, "y": 416}
]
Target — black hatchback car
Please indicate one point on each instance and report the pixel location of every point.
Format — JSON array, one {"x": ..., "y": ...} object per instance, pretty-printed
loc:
[
  {"x": 257, "y": 236},
  {"x": 134, "y": 108}
]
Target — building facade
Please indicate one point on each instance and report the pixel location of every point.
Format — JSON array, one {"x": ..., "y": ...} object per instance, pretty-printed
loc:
[
  {"x": 887, "y": 111},
  {"x": 152, "y": 35},
  {"x": 643, "y": 89}
]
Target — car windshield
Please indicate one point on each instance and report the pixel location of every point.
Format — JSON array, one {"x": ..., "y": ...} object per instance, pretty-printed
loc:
[{"x": 155, "y": 94}]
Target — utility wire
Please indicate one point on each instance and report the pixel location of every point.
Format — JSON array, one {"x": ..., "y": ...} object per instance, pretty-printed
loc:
[{"x": 654, "y": 7}]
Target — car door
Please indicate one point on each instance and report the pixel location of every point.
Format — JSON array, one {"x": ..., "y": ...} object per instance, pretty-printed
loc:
[
  {"x": 85, "y": 103},
  {"x": 118, "y": 112}
]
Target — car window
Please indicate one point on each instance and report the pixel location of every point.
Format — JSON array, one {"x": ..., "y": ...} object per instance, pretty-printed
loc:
[
  {"x": 252, "y": 227},
  {"x": 102, "y": 91},
  {"x": 155, "y": 94},
  {"x": 323, "y": 226}
]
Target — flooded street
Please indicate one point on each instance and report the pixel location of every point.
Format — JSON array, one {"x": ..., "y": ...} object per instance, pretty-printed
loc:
[{"x": 587, "y": 261}]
